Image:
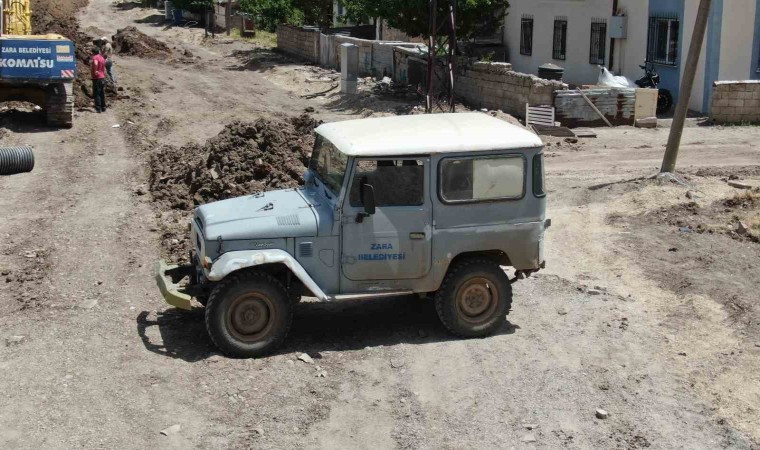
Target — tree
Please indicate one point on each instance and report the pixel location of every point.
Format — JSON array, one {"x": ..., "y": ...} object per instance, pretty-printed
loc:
[
  {"x": 270, "y": 13},
  {"x": 474, "y": 17},
  {"x": 196, "y": 6},
  {"x": 316, "y": 12}
]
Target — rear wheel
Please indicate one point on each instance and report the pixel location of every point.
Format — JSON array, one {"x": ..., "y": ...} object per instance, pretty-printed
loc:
[
  {"x": 474, "y": 299},
  {"x": 664, "y": 101},
  {"x": 248, "y": 314}
]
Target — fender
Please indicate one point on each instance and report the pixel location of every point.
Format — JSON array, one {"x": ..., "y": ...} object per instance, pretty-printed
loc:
[{"x": 234, "y": 261}]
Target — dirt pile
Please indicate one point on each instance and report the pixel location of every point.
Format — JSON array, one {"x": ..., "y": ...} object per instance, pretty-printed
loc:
[
  {"x": 130, "y": 41},
  {"x": 59, "y": 17},
  {"x": 270, "y": 153}
]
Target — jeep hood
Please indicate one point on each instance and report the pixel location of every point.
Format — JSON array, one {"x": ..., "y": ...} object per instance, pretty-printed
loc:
[{"x": 268, "y": 215}]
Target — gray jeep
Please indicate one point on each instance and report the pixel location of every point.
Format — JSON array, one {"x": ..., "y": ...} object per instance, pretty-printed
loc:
[{"x": 428, "y": 205}]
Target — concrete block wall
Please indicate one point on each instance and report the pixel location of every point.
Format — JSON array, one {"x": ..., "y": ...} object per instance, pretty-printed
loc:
[
  {"x": 736, "y": 101},
  {"x": 495, "y": 86},
  {"x": 299, "y": 41}
]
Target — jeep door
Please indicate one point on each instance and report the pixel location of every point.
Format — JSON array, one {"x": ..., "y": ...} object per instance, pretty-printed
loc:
[{"x": 394, "y": 242}]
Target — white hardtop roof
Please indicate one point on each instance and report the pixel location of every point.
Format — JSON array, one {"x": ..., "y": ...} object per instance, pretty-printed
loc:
[{"x": 426, "y": 134}]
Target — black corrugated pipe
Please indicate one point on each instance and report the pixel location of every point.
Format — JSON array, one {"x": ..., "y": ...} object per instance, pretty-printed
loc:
[{"x": 15, "y": 160}]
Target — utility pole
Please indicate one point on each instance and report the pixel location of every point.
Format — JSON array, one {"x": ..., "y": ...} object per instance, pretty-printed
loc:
[
  {"x": 228, "y": 16},
  {"x": 441, "y": 83},
  {"x": 690, "y": 71}
]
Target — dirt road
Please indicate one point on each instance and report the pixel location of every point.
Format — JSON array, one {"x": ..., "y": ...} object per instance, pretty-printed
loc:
[{"x": 104, "y": 363}]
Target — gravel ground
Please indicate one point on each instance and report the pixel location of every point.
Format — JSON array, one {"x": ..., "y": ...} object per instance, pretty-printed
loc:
[{"x": 91, "y": 357}]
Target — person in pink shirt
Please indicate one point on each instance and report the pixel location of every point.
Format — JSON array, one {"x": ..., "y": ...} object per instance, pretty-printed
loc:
[{"x": 98, "y": 73}]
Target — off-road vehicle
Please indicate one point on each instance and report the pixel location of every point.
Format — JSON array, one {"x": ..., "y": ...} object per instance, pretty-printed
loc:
[{"x": 433, "y": 205}]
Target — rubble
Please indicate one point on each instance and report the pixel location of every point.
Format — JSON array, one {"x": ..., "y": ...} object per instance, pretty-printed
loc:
[
  {"x": 245, "y": 157},
  {"x": 130, "y": 41}
]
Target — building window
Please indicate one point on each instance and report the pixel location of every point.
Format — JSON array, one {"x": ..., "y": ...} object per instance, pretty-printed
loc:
[
  {"x": 559, "y": 49},
  {"x": 598, "y": 41},
  {"x": 663, "y": 40},
  {"x": 526, "y": 36}
]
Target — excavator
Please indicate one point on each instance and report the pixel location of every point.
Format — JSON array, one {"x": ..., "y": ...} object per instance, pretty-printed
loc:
[{"x": 39, "y": 69}]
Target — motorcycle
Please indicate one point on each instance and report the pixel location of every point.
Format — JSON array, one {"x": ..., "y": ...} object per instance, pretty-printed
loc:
[{"x": 651, "y": 79}]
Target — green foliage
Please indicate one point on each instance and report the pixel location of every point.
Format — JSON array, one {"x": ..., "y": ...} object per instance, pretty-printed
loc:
[
  {"x": 474, "y": 17},
  {"x": 196, "y": 6},
  {"x": 270, "y": 13},
  {"x": 316, "y": 12}
]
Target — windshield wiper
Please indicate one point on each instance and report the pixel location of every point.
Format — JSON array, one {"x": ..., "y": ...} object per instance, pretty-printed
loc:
[{"x": 327, "y": 192}]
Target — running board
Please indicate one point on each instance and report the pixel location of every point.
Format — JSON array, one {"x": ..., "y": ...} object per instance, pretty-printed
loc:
[{"x": 365, "y": 295}]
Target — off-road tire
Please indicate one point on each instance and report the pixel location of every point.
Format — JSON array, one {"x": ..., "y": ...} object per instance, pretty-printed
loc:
[
  {"x": 474, "y": 276},
  {"x": 240, "y": 301},
  {"x": 59, "y": 105},
  {"x": 664, "y": 101}
]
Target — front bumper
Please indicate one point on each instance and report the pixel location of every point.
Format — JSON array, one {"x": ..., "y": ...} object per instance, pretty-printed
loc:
[{"x": 171, "y": 292}]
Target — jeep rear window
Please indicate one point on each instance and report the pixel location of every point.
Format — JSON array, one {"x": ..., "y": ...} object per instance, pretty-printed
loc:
[
  {"x": 328, "y": 163},
  {"x": 484, "y": 178}
]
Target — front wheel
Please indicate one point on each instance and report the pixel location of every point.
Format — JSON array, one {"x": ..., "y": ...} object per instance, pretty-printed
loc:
[
  {"x": 248, "y": 314},
  {"x": 664, "y": 101},
  {"x": 474, "y": 299}
]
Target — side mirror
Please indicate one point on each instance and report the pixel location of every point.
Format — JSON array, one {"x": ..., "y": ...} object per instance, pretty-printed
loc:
[
  {"x": 368, "y": 198},
  {"x": 367, "y": 194}
]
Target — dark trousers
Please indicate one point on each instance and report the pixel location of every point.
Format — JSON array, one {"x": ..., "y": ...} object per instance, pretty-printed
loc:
[{"x": 99, "y": 93}]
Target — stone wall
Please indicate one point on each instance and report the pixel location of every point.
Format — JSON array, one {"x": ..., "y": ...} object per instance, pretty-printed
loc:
[
  {"x": 496, "y": 86},
  {"x": 736, "y": 101},
  {"x": 302, "y": 42}
]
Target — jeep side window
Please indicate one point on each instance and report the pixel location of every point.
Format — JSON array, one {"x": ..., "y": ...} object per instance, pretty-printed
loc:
[
  {"x": 396, "y": 182},
  {"x": 482, "y": 178}
]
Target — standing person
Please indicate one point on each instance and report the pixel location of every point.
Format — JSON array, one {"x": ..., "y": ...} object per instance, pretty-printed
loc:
[
  {"x": 98, "y": 73},
  {"x": 106, "y": 49}
]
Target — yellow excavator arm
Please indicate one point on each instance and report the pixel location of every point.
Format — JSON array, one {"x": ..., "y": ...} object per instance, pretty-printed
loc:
[{"x": 17, "y": 17}]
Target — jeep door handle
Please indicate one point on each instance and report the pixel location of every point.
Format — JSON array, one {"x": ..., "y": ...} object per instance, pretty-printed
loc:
[{"x": 417, "y": 236}]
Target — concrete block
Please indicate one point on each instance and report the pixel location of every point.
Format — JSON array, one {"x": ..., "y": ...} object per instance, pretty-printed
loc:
[
  {"x": 737, "y": 87},
  {"x": 720, "y": 102},
  {"x": 349, "y": 87},
  {"x": 349, "y": 62},
  {"x": 752, "y": 103},
  {"x": 736, "y": 103}
]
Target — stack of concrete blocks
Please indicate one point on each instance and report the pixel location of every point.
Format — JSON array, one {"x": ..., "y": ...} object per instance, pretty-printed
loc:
[
  {"x": 349, "y": 68},
  {"x": 617, "y": 104},
  {"x": 736, "y": 101},
  {"x": 495, "y": 86}
]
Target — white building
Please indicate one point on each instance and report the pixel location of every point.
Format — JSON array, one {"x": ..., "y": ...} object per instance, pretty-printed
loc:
[{"x": 580, "y": 35}]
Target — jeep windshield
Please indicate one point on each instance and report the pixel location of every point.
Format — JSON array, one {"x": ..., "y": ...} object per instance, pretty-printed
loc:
[{"x": 328, "y": 164}]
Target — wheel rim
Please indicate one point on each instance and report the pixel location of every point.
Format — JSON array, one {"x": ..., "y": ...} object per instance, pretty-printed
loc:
[
  {"x": 477, "y": 300},
  {"x": 250, "y": 317}
]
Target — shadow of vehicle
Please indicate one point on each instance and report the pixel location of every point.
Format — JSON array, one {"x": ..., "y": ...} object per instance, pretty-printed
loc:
[{"x": 317, "y": 327}]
